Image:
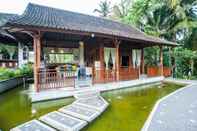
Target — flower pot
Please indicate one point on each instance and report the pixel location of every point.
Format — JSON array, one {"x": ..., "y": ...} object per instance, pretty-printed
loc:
[
  {"x": 152, "y": 71},
  {"x": 167, "y": 71}
]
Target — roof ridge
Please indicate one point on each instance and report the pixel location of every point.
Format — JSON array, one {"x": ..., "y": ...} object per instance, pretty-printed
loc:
[{"x": 64, "y": 10}]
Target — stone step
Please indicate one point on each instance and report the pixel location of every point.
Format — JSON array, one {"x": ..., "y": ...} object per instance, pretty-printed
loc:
[
  {"x": 33, "y": 125},
  {"x": 80, "y": 112},
  {"x": 63, "y": 122},
  {"x": 96, "y": 103},
  {"x": 86, "y": 94}
]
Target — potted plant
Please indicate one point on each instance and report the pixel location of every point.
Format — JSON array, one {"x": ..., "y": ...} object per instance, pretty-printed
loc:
[
  {"x": 151, "y": 62},
  {"x": 167, "y": 64}
]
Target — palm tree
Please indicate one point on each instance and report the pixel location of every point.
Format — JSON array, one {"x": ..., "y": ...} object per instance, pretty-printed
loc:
[
  {"x": 166, "y": 19},
  {"x": 186, "y": 12},
  {"x": 121, "y": 10},
  {"x": 11, "y": 50},
  {"x": 104, "y": 8}
]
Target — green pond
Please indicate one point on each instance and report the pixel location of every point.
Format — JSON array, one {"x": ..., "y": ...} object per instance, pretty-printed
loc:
[{"x": 128, "y": 109}]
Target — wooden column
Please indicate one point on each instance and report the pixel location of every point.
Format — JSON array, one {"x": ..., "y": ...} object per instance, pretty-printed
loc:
[
  {"x": 142, "y": 61},
  {"x": 102, "y": 66},
  {"x": 81, "y": 52},
  {"x": 161, "y": 60},
  {"x": 117, "y": 45},
  {"x": 130, "y": 59},
  {"x": 37, "y": 54}
]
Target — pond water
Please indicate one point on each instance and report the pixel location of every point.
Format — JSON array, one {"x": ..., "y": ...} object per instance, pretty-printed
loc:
[
  {"x": 129, "y": 108},
  {"x": 127, "y": 111},
  {"x": 16, "y": 108}
]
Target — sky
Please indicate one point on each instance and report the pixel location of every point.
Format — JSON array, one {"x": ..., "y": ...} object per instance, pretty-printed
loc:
[{"x": 82, "y": 6}]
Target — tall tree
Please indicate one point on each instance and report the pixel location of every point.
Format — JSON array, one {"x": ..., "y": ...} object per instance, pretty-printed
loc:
[
  {"x": 104, "y": 8},
  {"x": 11, "y": 50},
  {"x": 167, "y": 18},
  {"x": 175, "y": 20},
  {"x": 121, "y": 10}
]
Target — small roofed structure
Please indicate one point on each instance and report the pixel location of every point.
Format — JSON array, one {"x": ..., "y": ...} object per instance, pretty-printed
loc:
[
  {"x": 64, "y": 40},
  {"x": 6, "y": 38}
]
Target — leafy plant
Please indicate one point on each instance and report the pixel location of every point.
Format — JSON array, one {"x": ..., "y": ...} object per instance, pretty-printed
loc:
[
  {"x": 185, "y": 60},
  {"x": 6, "y": 73},
  {"x": 151, "y": 56},
  {"x": 26, "y": 70}
]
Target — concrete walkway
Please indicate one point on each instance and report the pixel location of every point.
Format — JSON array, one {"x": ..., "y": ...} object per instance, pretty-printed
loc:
[
  {"x": 88, "y": 106},
  {"x": 175, "y": 112}
]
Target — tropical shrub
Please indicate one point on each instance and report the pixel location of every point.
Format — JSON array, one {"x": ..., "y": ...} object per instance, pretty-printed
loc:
[
  {"x": 6, "y": 73},
  {"x": 151, "y": 56},
  {"x": 185, "y": 63},
  {"x": 25, "y": 70}
]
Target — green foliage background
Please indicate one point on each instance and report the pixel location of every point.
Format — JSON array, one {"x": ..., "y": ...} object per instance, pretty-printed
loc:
[{"x": 173, "y": 20}]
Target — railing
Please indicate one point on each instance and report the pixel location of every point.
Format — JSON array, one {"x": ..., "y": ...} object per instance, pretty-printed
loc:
[
  {"x": 50, "y": 79},
  {"x": 103, "y": 76},
  {"x": 128, "y": 73},
  {"x": 8, "y": 63}
]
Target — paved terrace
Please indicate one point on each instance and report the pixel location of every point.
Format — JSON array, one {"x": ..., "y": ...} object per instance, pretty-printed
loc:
[{"x": 175, "y": 112}]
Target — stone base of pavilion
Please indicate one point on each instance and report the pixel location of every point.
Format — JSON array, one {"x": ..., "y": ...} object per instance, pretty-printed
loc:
[{"x": 52, "y": 94}]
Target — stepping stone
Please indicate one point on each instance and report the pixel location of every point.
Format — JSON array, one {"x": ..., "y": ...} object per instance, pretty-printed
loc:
[
  {"x": 63, "y": 122},
  {"x": 80, "y": 112},
  {"x": 96, "y": 103},
  {"x": 33, "y": 125},
  {"x": 86, "y": 94}
]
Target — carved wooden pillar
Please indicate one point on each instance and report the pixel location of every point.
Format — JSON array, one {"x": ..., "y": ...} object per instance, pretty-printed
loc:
[
  {"x": 102, "y": 66},
  {"x": 117, "y": 45},
  {"x": 142, "y": 61},
  {"x": 37, "y": 57},
  {"x": 161, "y": 60}
]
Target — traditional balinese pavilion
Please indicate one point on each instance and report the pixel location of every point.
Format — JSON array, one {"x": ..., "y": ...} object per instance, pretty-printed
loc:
[
  {"x": 8, "y": 39},
  {"x": 65, "y": 41}
]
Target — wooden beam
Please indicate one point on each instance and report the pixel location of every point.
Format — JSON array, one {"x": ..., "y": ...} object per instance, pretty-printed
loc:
[
  {"x": 61, "y": 44},
  {"x": 37, "y": 55},
  {"x": 102, "y": 66},
  {"x": 161, "y": 60},
  {"x": 76, "y": 32},
  {"x": 117, "y": 45},
  {"x": 142, "y": 61}
]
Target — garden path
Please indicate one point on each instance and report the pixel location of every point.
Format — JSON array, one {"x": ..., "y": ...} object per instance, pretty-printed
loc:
[{"x": 175, "y": 112}]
